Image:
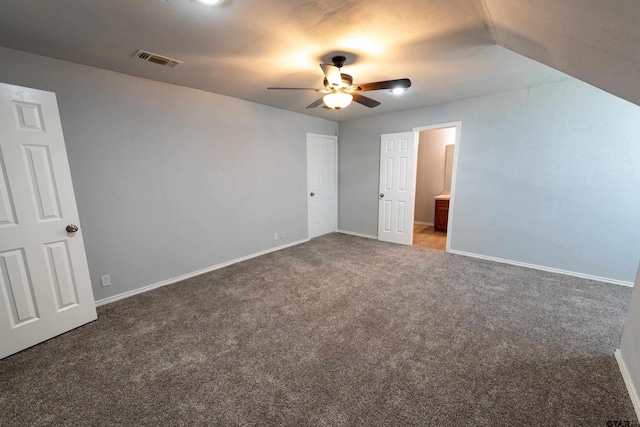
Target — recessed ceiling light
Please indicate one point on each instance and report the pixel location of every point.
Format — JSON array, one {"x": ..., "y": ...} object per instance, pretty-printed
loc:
[
  {"x": 397, "y": 91},
  {"x": 210, "y": 2}
]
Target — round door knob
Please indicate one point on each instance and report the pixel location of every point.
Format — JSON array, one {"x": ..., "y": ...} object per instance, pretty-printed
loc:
[
  {"x": 71, "y": 228},
  {"x": 313, "y": 194},
  {"x": 381, "y": 194}
]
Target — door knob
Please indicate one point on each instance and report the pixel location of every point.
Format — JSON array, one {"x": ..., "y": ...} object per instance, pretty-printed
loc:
[
  {"x": 71, "y": 228},
  {"x": 381, "y": 194},
  {"x": 313, "y": 194}
]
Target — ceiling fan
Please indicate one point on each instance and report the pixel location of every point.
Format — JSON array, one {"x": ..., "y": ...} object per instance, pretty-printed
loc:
[{"x": 340, "y": 90}]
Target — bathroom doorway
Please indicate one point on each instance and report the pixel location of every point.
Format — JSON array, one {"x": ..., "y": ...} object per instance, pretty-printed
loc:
[{"x": 434, "y": 184}]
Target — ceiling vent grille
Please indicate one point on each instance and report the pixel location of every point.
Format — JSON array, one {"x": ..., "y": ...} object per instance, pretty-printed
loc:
[{"x": 157, "y": 59}]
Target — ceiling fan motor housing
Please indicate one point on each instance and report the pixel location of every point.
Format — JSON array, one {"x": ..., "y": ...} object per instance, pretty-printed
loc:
[{"x": 338, "y": 61}]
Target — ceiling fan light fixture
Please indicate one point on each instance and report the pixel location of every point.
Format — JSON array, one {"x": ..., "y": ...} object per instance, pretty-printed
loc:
[
  {"x": 337, "y": 100},
  {"x": 340, "y": 90},
  {"x": 398, "y": 90}
]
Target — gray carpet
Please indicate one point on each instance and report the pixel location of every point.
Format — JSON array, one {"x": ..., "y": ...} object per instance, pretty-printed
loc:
[{"x": 338, "y": 331}]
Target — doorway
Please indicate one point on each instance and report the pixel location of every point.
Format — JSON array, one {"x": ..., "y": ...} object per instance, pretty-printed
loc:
[
  {"x": 397, "y": 185},
  {"x": 434, "y": 185}
]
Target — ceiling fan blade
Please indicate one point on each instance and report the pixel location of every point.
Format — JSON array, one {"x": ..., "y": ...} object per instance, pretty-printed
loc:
[
  {"x": 294, "y": 88},
  {"x": 315, "y": 103},
  {"x": 365, "y": 101},
  {"x": 332, "y": 73},
  {"x": 387, "y": 84}
]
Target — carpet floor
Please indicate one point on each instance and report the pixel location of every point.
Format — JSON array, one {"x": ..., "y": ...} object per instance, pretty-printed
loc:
[{"x": 337, "y": 331}]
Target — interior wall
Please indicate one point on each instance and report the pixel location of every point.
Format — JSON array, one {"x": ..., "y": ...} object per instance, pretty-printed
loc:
[
  {"x": 544, "y": 177},
  {"x": 171, "y": 180},
  {"x": 430, "y": 174}
]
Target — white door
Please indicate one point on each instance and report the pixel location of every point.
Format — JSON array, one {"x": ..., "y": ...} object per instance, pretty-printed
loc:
[
  {"x": 321, "y": 184},
  {"x": 398, "y": 162},
  {"x": 45, "y": 288}
]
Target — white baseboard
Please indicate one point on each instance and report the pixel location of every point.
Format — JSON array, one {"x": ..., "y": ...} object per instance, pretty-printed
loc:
[
  {"x": 430, "y": 224},
  {"x": 353, "y": 233},
  {"x": 192, "y": 274},
  {"x": 542, "y": 268},
  {"x": 633, "y": 393}
]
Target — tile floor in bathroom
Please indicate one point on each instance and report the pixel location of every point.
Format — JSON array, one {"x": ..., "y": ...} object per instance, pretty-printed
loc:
[{"x": 426, "y": 236}]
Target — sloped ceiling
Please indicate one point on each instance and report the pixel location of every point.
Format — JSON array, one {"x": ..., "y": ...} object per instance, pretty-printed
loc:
[{"x": 596, "y": 41}]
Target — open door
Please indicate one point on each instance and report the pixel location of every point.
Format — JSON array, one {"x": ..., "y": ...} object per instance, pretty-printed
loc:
[
  {"x": 45, "y": 288},
  {"x": 398, "y": 160}
]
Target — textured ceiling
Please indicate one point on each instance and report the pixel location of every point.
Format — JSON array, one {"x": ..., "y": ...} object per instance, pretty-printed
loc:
[
  {"x": 446, "y": 47},
  {"x": 595, "y": 41}
]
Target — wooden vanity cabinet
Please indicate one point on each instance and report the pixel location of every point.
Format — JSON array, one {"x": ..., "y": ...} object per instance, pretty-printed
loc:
[{"x": 441, "y": 217}]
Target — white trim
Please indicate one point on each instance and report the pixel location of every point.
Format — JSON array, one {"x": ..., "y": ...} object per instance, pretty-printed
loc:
[
  {"x": 430, "y": 224},
  {"x": 633, "y": 393},
  {"x": 320, "y": 135},
  {"x": 454, "y": 181},
  {"x": 353, "y": 233},
  {"x": 335, "y": 224},
  {"x": 131, "y": 293},
  {"x": 454, "y": 172},
  {"x": 542, "y": 268},
  {"x": 437, "y": 126}
]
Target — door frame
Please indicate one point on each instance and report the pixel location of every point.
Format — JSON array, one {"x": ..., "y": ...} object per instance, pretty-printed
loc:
[
  {"x": 335, "y": 160},
  {"x": 454, "y": 172}
]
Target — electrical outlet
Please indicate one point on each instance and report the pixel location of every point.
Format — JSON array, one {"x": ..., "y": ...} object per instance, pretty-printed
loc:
[
  {"x": 105, "y": 280},
  {"x": 275, "y": 236},
  {"x": 281, "y": 236}
]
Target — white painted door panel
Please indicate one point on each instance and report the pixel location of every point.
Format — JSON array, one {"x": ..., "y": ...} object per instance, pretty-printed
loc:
[
  {"x": 321, "y": 184},
  {"x": 45, "y": 288},
  {"x": 398, "y": 161}
]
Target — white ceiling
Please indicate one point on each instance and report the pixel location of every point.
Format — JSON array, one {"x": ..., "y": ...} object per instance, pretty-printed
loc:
[{"x": 447, "y": 48}]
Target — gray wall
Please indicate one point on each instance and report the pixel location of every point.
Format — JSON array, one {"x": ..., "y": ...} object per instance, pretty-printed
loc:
[
  {"x": 430, "y": 175},
  {"x": 546, "y": 176},
  {"x": 630, "y": 344},
  {"x": 171, "y": 180}
]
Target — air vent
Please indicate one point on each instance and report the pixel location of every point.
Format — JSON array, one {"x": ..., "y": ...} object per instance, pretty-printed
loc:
[{"x": 157, "y": 59}]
